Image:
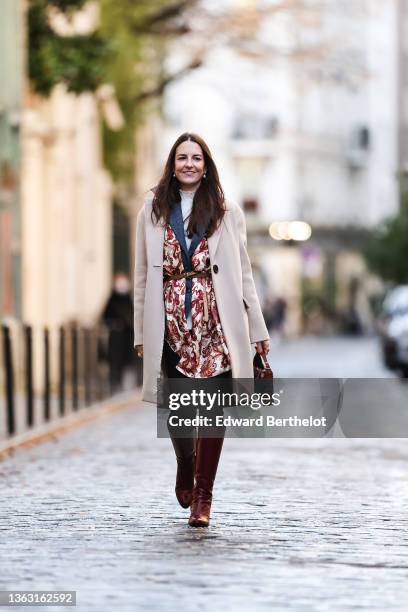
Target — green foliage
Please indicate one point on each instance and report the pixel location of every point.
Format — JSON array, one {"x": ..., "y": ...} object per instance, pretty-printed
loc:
[
  {"x": 386, "y": 251},
  {"x": 77, "y": 61},
  {"x": 134, "y": 65}
]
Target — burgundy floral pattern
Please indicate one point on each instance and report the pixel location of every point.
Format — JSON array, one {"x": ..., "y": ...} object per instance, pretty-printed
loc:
[{"x": 203, "y": 350}]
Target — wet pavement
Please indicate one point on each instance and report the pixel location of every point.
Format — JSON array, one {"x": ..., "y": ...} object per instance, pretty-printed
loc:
[{"x": 296, "y": 524}]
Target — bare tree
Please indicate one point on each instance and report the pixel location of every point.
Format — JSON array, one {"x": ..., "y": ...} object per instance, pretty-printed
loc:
[{"x": 198, "y": 28}]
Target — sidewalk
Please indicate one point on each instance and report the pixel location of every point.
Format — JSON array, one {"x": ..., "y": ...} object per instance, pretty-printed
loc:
[{"x": 297, "y": 524}]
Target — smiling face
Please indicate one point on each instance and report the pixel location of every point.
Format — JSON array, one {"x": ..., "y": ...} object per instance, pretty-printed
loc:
[{"x": 189, "y": 165}]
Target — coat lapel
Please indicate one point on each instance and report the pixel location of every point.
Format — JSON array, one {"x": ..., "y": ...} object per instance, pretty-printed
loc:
[
  {"x": 195, "y": 241},
  {"x": 214, "y": 239},
  {"x": 154, "y": 236},
  {"x": 177, "y": 225}
]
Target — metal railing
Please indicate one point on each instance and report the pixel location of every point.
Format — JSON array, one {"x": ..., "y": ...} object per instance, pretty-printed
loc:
[{"x": 48, "y": 373}]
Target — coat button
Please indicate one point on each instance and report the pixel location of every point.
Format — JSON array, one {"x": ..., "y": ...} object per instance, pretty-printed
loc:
[{"x": 215, "y": 268}]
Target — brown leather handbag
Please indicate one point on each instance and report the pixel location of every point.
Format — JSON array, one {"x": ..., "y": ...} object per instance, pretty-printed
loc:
[{"x": 262, "y": 369}]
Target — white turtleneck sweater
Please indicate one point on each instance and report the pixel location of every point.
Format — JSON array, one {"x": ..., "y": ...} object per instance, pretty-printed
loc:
[{"x": 186, "y": 208}]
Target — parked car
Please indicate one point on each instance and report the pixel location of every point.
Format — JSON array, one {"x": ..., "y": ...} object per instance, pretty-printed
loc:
[{"x": 393, "y": 326}]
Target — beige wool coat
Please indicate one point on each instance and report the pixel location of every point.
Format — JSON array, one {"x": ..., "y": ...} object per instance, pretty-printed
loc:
[{"x": 237, "y": 301}]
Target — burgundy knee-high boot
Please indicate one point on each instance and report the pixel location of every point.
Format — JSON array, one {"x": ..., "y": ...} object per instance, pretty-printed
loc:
[
  {"x": 207, "y": 458},
  {"x": 185, "y": 455}
]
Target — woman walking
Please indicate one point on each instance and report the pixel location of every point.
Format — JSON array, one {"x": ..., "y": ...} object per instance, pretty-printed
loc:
[{"x": 196, "y": 311}]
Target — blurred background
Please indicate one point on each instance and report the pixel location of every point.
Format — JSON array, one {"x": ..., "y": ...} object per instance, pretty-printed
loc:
[{"x": 304, "y": 104}]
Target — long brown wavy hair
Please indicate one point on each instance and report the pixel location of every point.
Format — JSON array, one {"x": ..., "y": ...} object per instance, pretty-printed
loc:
[{"x": 209, "y": 200}]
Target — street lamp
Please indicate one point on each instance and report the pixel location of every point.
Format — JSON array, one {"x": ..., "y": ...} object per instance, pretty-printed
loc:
[{"x": 290, "y": 230}]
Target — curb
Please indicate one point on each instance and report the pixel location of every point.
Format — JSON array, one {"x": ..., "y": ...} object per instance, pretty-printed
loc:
[{"x": 48, "y": 431}]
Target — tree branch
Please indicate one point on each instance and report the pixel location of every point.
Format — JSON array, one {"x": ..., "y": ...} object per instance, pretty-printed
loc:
[
  {"x": 162, "y": 84},
  {"x": 158, "y": 22}
]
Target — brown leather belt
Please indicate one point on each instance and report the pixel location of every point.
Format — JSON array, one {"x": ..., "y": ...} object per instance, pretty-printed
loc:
[{"x": 193, "y": 274}]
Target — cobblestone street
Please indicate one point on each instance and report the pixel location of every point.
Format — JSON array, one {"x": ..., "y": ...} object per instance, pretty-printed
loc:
[{"x": 296, "y": 524}]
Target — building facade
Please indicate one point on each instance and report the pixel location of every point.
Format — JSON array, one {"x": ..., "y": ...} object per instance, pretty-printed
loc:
[
  {"x": 67, "y": 211},
  {"x": 11, "y": 92},
  {"x": 403, "y": 86},
  {"x": 67, "y": 200}
]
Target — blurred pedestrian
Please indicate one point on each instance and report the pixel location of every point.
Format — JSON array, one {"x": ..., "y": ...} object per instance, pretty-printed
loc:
[
  {"x": 118, "y": 318},
  {"x": 352, "y": 320},
  {"x": 196, "y": 307},
  {"x": 275, "y": 316}
]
